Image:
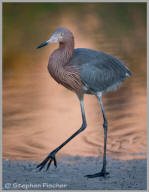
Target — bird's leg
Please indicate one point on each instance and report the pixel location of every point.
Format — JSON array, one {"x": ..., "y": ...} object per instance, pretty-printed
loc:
[
  {"x": 51, "y": 156},
  {"x": 105, "y": 126}
]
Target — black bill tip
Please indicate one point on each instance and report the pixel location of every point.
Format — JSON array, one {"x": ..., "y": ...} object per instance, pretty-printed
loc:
[{"x": 42, "y": 44}]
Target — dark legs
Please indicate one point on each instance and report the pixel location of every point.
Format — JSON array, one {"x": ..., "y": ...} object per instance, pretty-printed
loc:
[
  {"x": 51, "y": 156},
  {"x": 105, "y": 126}
]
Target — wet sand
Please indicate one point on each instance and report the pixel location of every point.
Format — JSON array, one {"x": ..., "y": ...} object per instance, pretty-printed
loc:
[{"x": 70, "y": 173}]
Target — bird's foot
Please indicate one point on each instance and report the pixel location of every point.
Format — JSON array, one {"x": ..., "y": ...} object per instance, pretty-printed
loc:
[
  {"x": 48, "y": 160},
  {"x": 100, "y": 174}
]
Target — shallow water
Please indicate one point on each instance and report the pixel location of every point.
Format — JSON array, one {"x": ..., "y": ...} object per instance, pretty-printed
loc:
[{"x": 39, "y": 114}]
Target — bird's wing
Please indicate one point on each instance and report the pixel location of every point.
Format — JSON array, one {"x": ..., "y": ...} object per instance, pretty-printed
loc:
[
  {"x": 99, "y": 71},
  {"x": 103, "y": 74}
]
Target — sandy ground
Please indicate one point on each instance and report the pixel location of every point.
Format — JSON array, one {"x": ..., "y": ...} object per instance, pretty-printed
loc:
[{"x": 70, "y": 175}]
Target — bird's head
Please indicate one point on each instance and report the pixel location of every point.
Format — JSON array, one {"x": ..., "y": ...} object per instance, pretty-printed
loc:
[{"x": 61, "y": 35}]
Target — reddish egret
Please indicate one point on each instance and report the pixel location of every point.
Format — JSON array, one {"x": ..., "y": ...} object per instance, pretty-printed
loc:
[{"x": 83, "y": 71}]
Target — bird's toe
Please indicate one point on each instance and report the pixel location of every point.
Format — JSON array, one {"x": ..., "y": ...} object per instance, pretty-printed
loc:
[
  {"x": 100, "y": 174},
  {"x": 48, "y": 160}
]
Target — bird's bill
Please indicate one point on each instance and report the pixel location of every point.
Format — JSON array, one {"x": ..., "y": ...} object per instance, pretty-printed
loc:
[
  {"x": 53, "y": 39},
  {"x": 43, "y": 44}
]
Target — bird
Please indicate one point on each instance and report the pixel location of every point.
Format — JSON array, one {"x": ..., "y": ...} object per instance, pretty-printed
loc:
[{"x": 83, "y": 71}]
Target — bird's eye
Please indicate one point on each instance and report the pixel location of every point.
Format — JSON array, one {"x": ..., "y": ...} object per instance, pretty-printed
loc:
[{"x": 60, "y": 36}]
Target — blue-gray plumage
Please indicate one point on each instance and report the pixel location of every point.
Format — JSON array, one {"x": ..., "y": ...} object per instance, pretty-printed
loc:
[
  {"x": 99, "y": 71},
  {"x": 83, "y": 71}
]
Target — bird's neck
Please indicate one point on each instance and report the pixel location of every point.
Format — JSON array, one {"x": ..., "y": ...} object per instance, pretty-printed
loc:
[
  {"x": 62, "y": 71},
  {"x": 66, "y": 50}
]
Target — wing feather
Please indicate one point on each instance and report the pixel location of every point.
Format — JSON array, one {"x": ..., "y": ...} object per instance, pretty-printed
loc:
[{"x": 99, "y": 71}]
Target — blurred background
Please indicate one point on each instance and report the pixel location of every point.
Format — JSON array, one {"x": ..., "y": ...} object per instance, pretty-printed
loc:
[{"x": 39, "y": 114}]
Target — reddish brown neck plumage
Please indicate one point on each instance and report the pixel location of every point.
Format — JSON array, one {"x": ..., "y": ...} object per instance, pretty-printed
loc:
[
  {"x": 66, "y": 50},
  {"x": 60, "y": 69}
]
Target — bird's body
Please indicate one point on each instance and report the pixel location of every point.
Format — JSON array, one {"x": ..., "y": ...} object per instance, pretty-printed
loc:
[
  {"x": 98, "y": 71},
  {"x": 83, "y": 71}
]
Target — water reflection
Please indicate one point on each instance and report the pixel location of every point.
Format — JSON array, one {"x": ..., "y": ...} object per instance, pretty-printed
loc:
[{"x": 39, "y": 114}]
